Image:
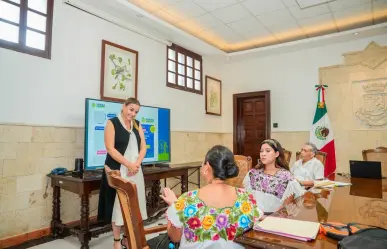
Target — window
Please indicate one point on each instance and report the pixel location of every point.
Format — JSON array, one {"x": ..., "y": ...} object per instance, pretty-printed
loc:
[
  {"x": 184, "y": 69},
  {"x": 25, "y": 26}
]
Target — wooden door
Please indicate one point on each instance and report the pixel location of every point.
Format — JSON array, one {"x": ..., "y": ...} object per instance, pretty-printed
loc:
[{"x": 251, "y": 122}]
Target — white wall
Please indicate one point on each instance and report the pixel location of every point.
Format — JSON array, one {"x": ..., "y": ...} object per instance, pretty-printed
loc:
[
  {"x": 52, "y": 92},
  {"x": 291, "y": 78}
]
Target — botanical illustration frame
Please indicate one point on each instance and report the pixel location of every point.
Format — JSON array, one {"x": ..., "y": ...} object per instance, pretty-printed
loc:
[
  {"x": 213, "y": 96},
  {"x": 119, "y": 72}
]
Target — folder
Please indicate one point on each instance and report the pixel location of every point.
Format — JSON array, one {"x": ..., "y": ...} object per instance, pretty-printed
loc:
[{"x": 295, "y": 229}]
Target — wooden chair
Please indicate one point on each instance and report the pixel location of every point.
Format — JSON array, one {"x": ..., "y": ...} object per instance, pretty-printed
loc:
[
  {"x": 320, "y": 155},
  {"x": 133, "y": 223},
  {"x": 288, "y": 155},
  {"x": 245, "y": 164},
  {"x": 378, "y": 154}
]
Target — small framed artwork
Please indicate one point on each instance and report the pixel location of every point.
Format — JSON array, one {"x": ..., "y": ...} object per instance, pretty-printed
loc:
[
  {"x": 213, "y": 96},
  {"x": 119, "y": 67}
]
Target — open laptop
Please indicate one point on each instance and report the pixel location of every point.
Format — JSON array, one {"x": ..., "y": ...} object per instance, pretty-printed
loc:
[{"x": 366, "y": 169}]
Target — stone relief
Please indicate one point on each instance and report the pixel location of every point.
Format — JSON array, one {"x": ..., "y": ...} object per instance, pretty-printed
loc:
[
  {"x": 370, "y": 102},
  {"x": 372, "y": 56}
]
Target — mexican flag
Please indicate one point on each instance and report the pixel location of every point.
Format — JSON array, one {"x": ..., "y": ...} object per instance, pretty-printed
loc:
[{"x": 321, "y": 133}]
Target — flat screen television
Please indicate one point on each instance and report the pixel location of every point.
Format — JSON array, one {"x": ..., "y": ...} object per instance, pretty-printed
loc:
[{"x": 155, "y": 123}]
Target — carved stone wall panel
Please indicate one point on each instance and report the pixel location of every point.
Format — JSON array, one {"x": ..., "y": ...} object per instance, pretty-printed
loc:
[
  {"x": 383, "y": 65},
  {"x": 372, "y": 56},
  {"x": 333, "y": 75},
  {"x": 369, "y": 102}
]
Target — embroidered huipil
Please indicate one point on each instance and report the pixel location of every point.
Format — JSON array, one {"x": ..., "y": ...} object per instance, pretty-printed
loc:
[
  {"x": 271, "y": 191},
  {"x": 207, "y": 227}
]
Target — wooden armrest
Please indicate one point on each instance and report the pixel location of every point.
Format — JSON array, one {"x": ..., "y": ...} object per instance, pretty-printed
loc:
[{"x": 155, "y": 229}]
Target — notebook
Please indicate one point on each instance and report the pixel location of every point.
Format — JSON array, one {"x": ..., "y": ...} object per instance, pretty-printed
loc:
[{"x": 296, "y": 229}]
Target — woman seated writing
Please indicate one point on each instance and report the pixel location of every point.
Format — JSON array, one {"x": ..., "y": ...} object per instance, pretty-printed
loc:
[
  {"x": 271, "y": 182},
  {"x": 212, "y": 216}
]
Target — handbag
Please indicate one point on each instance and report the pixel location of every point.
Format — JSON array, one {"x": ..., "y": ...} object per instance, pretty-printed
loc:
[
  {"x": 162, "y": 242},
  {"x": 370, "y": 238}
]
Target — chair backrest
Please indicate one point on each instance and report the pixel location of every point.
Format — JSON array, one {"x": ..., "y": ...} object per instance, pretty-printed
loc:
[
  {"x": 320, "y": 155},
  {"x": 244, "y": 164},
  {"x": 379, "y": 155},
  {"x": 288, "y": 155},
  {"x": 127, "y": 194}
]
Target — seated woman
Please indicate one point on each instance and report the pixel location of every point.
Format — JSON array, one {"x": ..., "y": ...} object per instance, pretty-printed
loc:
[
  {"x": 308, "y": 168},
  {"x": 270, "y": 181},
  {"x": 212, "y": 216}
]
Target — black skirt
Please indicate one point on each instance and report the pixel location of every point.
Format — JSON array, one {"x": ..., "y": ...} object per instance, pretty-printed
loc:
[{"x": 107, "y": 196}]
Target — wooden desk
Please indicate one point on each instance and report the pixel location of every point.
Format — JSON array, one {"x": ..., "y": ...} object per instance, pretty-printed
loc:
[
  {"x": 364, "y": 202},
  {"x": 90, "y": 181}
]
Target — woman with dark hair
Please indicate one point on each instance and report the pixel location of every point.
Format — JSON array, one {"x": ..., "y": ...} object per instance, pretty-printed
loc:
[
  {"x": 271, "y": 182},
  {"x": 126, "y": 148},
  {"x": 212, "y": 216}
]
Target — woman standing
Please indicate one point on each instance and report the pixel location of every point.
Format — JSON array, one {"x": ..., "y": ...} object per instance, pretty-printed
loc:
[{"x": 126, "y": 148}]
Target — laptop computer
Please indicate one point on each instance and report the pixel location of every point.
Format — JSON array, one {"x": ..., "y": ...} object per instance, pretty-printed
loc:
[{"x": 366, "y": 169}]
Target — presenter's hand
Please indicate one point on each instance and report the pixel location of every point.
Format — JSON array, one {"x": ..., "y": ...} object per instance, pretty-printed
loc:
[
  {"x": 138, "y": 165},
  {"x": 168, "y": 196},
  {"x": 132, "y": 169}
]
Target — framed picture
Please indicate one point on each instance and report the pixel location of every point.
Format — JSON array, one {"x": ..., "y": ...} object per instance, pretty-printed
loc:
[
  {"x": 119, "y": 67},
  {"x": 213, "y": 96}
]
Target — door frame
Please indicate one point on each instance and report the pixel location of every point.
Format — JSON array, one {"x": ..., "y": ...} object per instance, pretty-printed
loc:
[{"x": 236, "y": 98}]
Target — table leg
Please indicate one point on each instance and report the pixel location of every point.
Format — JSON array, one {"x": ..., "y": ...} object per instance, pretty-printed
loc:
[
  {"x": 184, "y": 182},
  {"x": 84, "y": 235},
  {"x": 56, "y": 223},
  {"x": 153, "y": 198}
]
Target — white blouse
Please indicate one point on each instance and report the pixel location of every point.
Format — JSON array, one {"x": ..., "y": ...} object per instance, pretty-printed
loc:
[{"x": 271, "y": 191}]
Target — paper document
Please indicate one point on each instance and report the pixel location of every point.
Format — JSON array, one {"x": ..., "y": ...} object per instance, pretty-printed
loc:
[
  {"x": 296, "y": 229},
  {"x": 330, "y": 184}
]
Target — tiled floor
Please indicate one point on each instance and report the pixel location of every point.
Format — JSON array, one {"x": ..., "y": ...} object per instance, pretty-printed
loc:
[{"x": 104, "y": 241}]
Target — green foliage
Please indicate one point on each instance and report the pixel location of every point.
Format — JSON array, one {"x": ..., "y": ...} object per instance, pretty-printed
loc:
[{"x": 121, "y": 72}]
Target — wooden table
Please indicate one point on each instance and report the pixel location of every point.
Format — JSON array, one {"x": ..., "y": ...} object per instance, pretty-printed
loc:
[
  {"x": 90, "y": 181},
  {"x": 364, "y": 202}
]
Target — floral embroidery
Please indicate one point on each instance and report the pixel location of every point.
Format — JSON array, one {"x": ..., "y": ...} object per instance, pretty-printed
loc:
[
  {"x": 203, "y": 223},
  {"x": 179, "y": 205},
  {"x": 246, "y": 207},
  {"x": 275, "y": 185},
  {"x": 194, "y": 223},
  {"x": 221, "y": 221},
  {"x": 190, "y": 211}
]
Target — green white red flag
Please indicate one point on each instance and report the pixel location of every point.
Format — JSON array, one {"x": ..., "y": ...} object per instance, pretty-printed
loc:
[{"x": 321, "y": 133}]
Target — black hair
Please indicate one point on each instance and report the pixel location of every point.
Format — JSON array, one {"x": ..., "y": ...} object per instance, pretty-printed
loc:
[{"x": 222, "y": 162}]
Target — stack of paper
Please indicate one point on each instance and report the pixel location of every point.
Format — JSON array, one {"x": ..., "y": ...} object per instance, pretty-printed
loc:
[
  {"x": 296, "y": 229},
  {"x": 329, "y": 184}
]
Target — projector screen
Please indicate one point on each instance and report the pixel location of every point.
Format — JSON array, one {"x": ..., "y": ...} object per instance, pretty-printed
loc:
[{"x": 155, "y": 123}]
